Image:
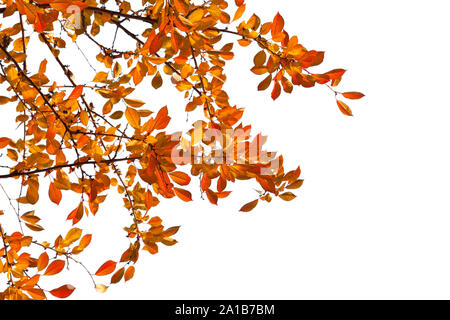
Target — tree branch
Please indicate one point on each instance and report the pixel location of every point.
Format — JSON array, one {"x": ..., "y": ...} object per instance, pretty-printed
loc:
[{"x": 69, "y": 165}]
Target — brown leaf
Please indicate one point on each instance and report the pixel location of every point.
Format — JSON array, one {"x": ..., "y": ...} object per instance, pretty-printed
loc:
[
  {"x": 117, "y": 276},
  {"x": 288, "y": 196},
  {"x": 249, "y": 206}
]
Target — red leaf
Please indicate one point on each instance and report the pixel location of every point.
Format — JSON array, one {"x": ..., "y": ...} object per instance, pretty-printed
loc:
[
  {"x": 55, "y": 267},
  {"x": 107, "y": 268},
  {"x": 63, "y": 291}
]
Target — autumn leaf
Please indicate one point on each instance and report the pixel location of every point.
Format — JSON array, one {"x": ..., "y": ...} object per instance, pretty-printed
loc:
[
  {"x": 117, "y": 276},
  {"x": 54, "y": 193},
  {"x": 249, "y": 206},
  {"x": 129, "y": 273},
  {"x": 76, "y": 93},
  {"x": 240, "y": 11},
  {"x": 287, "y": 196},
  {"x": 4, "y": 142},
  {"x": 180, "y": 178},
  {"x": 104, "y": 140},
  {"x": 353, "y": 95},
  {"x": 4, "y": 100},
  {"x": 212, "y": 196},
  {"x": 107, "y": 268},
  {"x": 134, "y": 103},
  {"x": 345, "y": 109},
  {"x": 101, "y": 288},
  {"x": 55, "y": 267},
  {"x": 133, "y": 117},
  {"x": 63, "y": 291},
  {"x": 277, "y": 25},
  {"x": 42, "y": 262},
  {"x": 276, "y": 91},
  {"x": 183, "y": 194}
]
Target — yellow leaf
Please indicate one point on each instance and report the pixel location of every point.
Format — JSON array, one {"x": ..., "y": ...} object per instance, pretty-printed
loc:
[
  {"x": 134, "y": 103},
  {"x": 101, "y": 288},
  {"x": 100, "y": 77},
  {"x": 72, "y": 236}
]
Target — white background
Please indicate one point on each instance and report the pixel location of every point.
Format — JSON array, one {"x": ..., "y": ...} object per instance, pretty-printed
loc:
[{"x": 372, "y": 219}]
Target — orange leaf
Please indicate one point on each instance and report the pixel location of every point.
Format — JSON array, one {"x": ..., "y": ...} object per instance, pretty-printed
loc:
[
  {"x": 55, "y": 267},
  {"x": 129, "y": 273},
  {"x": 277, "y": 25},
  {"x": 212, "y": 196},
  {"x": 162, "y": 119},
  {"x": 335, "y": 74},
  {"x": 180, "y": 178},
  {"x": 181, "y": 6},
  {"x": 86, "y": 240},
  {"x": 4, "y": 142},
  {"x": 221, "y": 184},
  {"x": 42, "y": 262},
  {"x": 276, "y": 91},
  {"x": 107, "y": 268},
  {"x": 39, "y": 24},
  {"x": 353, "y": 95},
  {"x": 345, "y": 109},
  {"x": 133, "y": 117},
  {"x": 287, "y": 196},
  {"x": 63, "y": 291},
  {"x": 54, "y": 193},
  {"x": 76, "y": 93},
  {"x": 249, "y": 206},
  {"x": 240, "y": 11},
  {"x": 76, "y": 214},
  {"x": 183, "y": 194}
]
